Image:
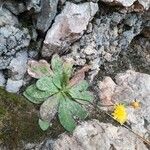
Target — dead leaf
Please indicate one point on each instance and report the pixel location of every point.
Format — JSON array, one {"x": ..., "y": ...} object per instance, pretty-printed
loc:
[{"x": 79, "y": 75}]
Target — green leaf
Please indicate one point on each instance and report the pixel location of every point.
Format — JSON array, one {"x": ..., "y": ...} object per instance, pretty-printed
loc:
[
  {"x": 46, "y": 84},
  {"x": 77, "y": 110},
  {"x": 65, "y": 116},
  {"x": 32, "y": 99},
  {"x": 44, "y": 125},
  {"x": 84, "y": 95},
  {"x": 57, "y": 64},
  {"x": 81, "y": 86},
  {"x": 49, "y": 108},
  {"x": 34, "y": 92},
  {"x": 57, "y": 80}
]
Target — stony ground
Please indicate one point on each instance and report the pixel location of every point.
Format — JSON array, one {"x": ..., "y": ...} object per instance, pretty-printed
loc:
[{"x": 112, "y": 36}]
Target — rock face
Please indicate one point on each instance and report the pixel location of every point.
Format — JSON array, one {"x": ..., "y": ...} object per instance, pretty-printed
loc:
[
  {"x": 2, "y": 79},
  {"x": 127, "y": 87},
  {"x": 13, "y": 39},
  {"x": 47, "y": 14},
  {"x": 94, "y": 135},
  {"x": 69, "y": 26},
  {"x": 111, "y": 33},
  {"x": 127, "y": 3}
]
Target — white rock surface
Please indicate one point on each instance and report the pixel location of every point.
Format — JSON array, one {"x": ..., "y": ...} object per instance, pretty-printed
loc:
[
  {"x": 14, "y": 86},
  {"x": 69, "y": 26},
  {"x": 18, "y": 65},
  {"x": 94, "y": 135},
  {"x": 127, "y": 87}
]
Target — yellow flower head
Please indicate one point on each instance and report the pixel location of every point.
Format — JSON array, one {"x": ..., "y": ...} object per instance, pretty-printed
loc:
[{"x": 119, "y": 113}]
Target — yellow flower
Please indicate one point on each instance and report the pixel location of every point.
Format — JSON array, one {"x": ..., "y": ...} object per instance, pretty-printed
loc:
[{"x": 120, "y": 113}]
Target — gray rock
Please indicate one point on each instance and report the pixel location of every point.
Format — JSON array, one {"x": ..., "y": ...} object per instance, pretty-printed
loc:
[
  {"x": 36, "y": 4},
  {"x": 127, "y": 87},
  {"x": 12, "y": 40},
  {"x": 18, "y": 65},
  {"x": 2, "y": 79},
  {"x": 15, "y": 7},
  {"x": 7, "y": 18},
  {"x": 13, "y": 86},
  {"x": 139, "y": 54},
  {"x": 94, "y": 135},
  {"x": 47, "y": 14},
  {"x": 127, "y": 3},
  {"x": 111, "y": 34},
  {"x": 69, "y": 26}
]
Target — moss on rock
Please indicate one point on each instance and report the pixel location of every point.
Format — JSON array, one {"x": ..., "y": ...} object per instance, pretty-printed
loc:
[{"x": 18, "y": 120}]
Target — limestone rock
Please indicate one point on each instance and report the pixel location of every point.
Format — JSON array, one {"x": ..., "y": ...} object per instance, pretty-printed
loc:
[
  {"x": 7, "y": 18},
  {"x": 94, "y": 135},
  {"x": 127, "y": 3},
  {"x": 34, "y": 4},
  {"x": 15, "y": 7},
  {"x": 112, "y": 33},
  {"x": 2, "y": 79},
  {"x": 69, "y": 26},
  {"x": 47, "y": 14},
  {"x": 18, "y": 65},
  {"x": 12, "y": 39},
  {"x": 14, "y": 86},
  {"x": 127, "y": 87}
]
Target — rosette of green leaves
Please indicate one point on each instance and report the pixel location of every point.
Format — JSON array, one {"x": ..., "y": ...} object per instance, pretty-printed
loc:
[{"x": 55, "y": 93}]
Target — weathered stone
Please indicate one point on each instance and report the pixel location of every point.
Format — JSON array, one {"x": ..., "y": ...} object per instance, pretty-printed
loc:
[
  {"x": 14, "y": 86},
  {"x": 12, "y": 39},
  {"x": 127, "y": 3},
  {"x": 94, "y": 135},
  {"x": 47, "y": 14},
  {"x": 2, "y": 79},
  {"x": 112, "y": 33},
  {"x": 69, "y": 26},
  {"x": 7, "y": 18},
  {"x": 35, "y": 4},
  {"x": 15, "y": 7},
  {"x": 18, "y": 65},
  {"x": 127, "y": 87}
]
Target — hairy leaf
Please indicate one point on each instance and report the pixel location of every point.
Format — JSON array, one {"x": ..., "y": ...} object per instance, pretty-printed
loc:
[
  {"x": 57, "y": 64},
  {"x": 65, "y": 116},
  {"x": 34, "y": 92},
  {"x": 84, "y": 95},
  {"x": 32, "y": 99},
  {"x": 57, "y": 80},
  {"x": 39, "y": 69},
  {"x": 44, "y": 125},
  {"x": 78, "y": 112},
  {"x": 49, "y": 108},
  {"x": 46, "y": 84}
]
